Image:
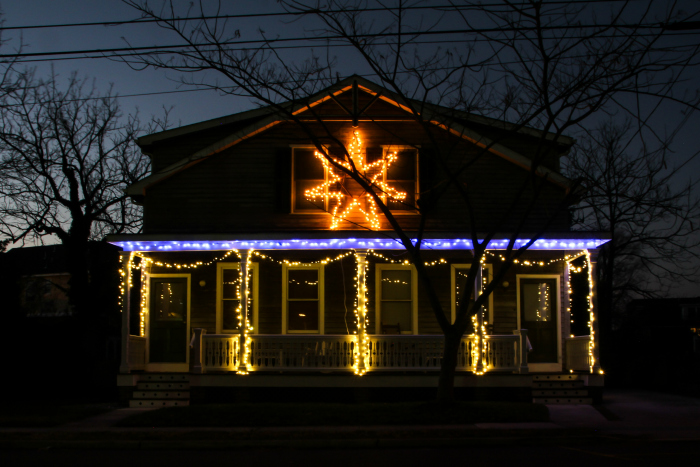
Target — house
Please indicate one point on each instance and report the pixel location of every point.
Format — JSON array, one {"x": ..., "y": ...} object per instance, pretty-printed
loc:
[
  {"x": 35, "y": 286},
  {"x": 241, "y": 213}
]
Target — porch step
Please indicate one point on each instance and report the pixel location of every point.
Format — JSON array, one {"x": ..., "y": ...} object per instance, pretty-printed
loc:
[
  {"x": 135, "y": 403},
  {"x": 560, "y": 389},
  {"x": 558, "y": 385},
  {"x": 174, "y": 386},
  {"x": 161, "y": 390},
  {"x": 162, "y": 395},
  {"x": 165, "y": 377},
  {"x": 563, "y": 400},
  {"x": 559, "y": 392}
]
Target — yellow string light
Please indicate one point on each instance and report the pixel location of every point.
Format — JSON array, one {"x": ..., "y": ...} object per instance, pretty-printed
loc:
[
  {"x": 374, "y": 173},
  {"x": 360, "y": 312}
]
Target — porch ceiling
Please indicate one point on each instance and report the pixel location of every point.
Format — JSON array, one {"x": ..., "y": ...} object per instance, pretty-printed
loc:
[{"x": 343, "y": 241}]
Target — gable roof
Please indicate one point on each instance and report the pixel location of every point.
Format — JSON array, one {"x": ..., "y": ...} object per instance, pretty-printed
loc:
[{"x": 250, "y": 123}]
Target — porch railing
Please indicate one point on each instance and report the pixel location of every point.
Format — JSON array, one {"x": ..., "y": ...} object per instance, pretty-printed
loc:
[
  {"x": 577, "y": 353},
  {"x": 137, "y": 352},
  {"x": 385, "y": 352}
]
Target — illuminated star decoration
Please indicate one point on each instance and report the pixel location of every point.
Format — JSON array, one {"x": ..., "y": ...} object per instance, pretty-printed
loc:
[{"x": 346, "y": 204}]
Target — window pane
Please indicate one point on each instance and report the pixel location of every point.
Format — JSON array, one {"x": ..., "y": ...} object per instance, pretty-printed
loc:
[
  {"x": 396, "y": 284},
  {"x": 302, "y": 284},
  {"x": 461, "y": 284},
  {"x": 230, "y": 283},
  {"x": 307, "y": 166},
  {"x": 302, "y": 316},
  {"x": 170, "y": 301},
  {"x": 404, "y": 167},
  {"x": 408, "y": 203},
  {"x": 397, "y": 313},
  {"x": 300, "y": 200},
  {"x": 230, "y": 313},
  {"x": 537, "y": 301}
]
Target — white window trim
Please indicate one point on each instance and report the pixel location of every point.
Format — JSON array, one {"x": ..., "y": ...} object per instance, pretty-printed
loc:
[
  {"x": 220, "y": 295},
  {"x": 378, "y": 295},
  {"x": 323, "y": 210},
  {"x": 487, "y": 270},
  {"x": 554, "y": 366},
  {"x": 168, "y": 366},
  {"x": 321, "y": 297},
  {"x": 416, "y": 194}
]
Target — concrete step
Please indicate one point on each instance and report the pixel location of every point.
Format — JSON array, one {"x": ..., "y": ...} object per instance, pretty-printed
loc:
[
  {"x": 156, "y": 403},
  {"x": 164, "y": 377},
  {"x": 168, "y": 386},
  {"x": 161, "y": 395},
  {"x": 564, "y": 377},
  {"x": 562, "y": 400},
  {"x": 557, "y": 384},
  {"x": 559, "y": 393}
]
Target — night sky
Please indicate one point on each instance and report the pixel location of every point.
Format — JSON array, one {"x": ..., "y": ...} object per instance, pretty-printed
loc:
[{"x": 151, "y": 90}]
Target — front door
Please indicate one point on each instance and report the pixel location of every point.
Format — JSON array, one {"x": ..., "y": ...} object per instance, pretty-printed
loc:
[
  {"x": 168, "y": 312},
  {"x": 538, "y": 314}
]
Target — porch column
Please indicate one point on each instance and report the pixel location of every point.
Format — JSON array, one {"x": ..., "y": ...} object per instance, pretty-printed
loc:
[
  {"x": 361, "y": 259},
  {"x": 243, "y": 330},
  {"x": 197, "y": 345},
  {"x": 478, "y": 286},
  {"x": 124, "y": 258},
  {"x": 594, "y": 351}
]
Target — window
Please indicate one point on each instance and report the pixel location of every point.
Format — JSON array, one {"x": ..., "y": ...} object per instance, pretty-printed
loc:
[
  {"x": 302, "y": 299},
  {"x": 459, "y": 277},
  {"x": 397, "y": 299},
  {"x": 398, "y": 173},
  {"x": 307, "y": 173},
  {"x": 228, "y": 296},
  {"x": 401, "y": 175}
]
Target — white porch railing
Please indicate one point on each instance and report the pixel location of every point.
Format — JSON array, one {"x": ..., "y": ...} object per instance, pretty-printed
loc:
[
  {"x": 289, "y": 352},
  {"x": 577, "y": 353},
  {"x": 220, "y": 352},
  {"x": 335, "y": 352},
  {"x": 137, "y": 352}
]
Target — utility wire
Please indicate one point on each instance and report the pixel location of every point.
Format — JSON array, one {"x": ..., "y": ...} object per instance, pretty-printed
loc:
[
  {"x": 438, "y": 8},
  {"x": 150, "y": 49}
]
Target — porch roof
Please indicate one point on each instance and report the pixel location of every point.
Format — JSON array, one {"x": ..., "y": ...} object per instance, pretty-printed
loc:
[{"x": 346, "y": 240}]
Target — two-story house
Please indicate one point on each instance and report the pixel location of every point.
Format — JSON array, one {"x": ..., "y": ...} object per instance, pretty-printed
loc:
[{"x": 262, "y": 267}]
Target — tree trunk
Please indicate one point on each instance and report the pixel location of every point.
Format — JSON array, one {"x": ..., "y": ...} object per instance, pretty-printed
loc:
[{"x": 446, "y": 382}]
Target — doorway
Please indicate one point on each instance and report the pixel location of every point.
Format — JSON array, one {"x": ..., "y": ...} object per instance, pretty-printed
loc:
[{"x": 538, "y": 312}]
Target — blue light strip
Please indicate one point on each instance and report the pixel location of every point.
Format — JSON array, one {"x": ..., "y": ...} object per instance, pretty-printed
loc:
[{"x": 352, "y": 243}]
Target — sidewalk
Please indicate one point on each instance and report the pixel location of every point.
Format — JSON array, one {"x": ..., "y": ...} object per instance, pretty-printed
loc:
[{"x": 628, "y": 415}]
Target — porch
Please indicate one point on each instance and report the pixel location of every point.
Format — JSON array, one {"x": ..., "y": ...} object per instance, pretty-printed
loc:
[{"x": 218, "y": 353}]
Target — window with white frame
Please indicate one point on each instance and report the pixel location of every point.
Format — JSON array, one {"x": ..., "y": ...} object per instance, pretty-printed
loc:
[
  {"x": 302, "y": 299},
  {"x": 229, "y": 290},
  {"x": 397, "y": 299},
  {"x": 459, "y": 282}
]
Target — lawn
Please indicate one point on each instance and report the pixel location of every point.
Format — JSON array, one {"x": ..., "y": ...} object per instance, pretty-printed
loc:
[
  {"x": 47, "y": 415},
  {"x": 323, "y": 414}
]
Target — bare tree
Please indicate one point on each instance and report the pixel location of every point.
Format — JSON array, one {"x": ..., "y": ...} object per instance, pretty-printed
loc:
[
  {"x": 635, "y": 193},
  {"x": 66, "y": 156},
  {"x": 511, "y": 66}
]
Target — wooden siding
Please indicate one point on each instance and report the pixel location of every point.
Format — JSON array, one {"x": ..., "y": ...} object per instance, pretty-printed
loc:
[
  {"x": 340, "y": 290},
  {"x": 238, "y": 190}
]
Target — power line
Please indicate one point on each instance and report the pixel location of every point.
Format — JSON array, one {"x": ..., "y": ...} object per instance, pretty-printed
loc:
[
  {"x": 147, "y": 49},
  {"x": 439, "y": 8}
]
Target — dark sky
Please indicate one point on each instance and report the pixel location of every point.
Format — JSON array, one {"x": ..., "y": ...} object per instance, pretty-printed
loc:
[{"x": 194, "y": 106}]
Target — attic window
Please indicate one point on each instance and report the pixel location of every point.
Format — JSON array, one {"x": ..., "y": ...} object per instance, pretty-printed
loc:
[
  {"x": 393, "y": 171},
  {"x": 402, "y": 175},
  {"x": 308, "y": 173}
]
